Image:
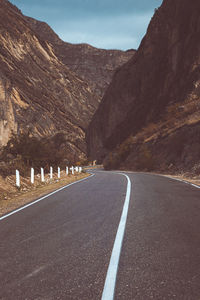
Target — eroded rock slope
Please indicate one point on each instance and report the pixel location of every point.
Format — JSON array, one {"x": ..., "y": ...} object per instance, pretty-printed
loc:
[
  {"x": 153, "y": 100},
  {"x": 48, "y": 86},
  {"x": 94, "y": 65}
]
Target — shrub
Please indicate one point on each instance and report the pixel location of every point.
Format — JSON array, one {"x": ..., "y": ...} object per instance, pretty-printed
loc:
[
  {"x": 116, "y": 158},
  {"x": 145, "y": 159},
  {"x": 112, "y": 161},
  {"x": 28, "y": 151}
]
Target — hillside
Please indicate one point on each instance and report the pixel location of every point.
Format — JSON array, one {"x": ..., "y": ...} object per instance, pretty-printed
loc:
[
  {"x": 39, "y": 93},
  {"x": 151, "y": 110},
  {"x": 94, "y": 65}
]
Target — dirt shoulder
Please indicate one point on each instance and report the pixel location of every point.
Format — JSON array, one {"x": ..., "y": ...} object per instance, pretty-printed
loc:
[
  {"x": 184, "y": 177},
  {"x": 191, "y": 178},
  {"x": 11, "y": 198}
]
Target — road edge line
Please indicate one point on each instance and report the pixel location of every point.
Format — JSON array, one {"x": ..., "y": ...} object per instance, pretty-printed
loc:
[
  {"x": 166, "y": 176},
  {"x": 182, "y": 180},
  {"x": 110, "y": 281},
  {"x": 42, "y": 198}
]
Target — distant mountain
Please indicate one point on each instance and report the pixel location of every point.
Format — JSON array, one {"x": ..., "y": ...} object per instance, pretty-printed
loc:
[
  {"x": 94, "y": 65},
  {"x": 38, "y": 91},
  {"x": 149, "y": 117}
]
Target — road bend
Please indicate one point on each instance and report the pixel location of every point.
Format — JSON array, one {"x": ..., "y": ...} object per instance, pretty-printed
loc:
[{"x": 61, "y": 247}]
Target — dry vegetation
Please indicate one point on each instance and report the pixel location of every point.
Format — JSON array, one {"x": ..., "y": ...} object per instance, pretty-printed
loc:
[
  {"x": 176, "y": 116},
  {"x": 11, "y": 197},
  {"x": 170, "y": 145},
  {"x": 23, "y": 152},
  {"x": 187, "y": 177}
]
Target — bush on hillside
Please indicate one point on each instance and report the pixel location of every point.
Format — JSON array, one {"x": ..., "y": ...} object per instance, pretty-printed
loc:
[
  {"x": 145, "y": 160},
  {"x": 116, "y": 158},
  {"x": 27, "y": 151}
]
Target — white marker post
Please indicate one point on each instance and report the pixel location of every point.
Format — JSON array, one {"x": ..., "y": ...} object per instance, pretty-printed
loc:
[
  {"x": 42, "y": 174},
  {"x": 51, "y": 172},
  {"x": 67, "y": 171},
  {"x": 58, "y": 172},
  {"x": 80, "y": 169},
  {"x": 17, "y": 179},
  {"x": 32, "y": 175},
  {"x": 72, "y": 169},
  {"x": 76, "y": 169}
]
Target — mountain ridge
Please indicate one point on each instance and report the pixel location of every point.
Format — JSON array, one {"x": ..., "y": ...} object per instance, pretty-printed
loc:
[
  {"x": 163, "y": 75},
  {"x": 38, "y": 91},
  {"x": 92, "y": 64}
]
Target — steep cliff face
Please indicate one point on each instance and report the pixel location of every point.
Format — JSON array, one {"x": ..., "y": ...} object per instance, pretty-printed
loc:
[
  {"x": 96, "y": 66},
  {"x": 48, "y": 86},
  {"x": 164, "y": 74},
  {"x": 37, "y": 91}
]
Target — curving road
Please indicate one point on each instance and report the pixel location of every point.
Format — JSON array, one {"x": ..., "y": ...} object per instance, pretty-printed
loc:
[{"x": 60, "y": 247}]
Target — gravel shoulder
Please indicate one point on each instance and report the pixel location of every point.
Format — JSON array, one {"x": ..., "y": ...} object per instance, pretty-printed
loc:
[
  {"x": 188, "y": 178},
  {"x": 12, "y": 198}
]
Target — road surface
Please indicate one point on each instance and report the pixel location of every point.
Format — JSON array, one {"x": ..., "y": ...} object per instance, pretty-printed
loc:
[{"x": 60, "y": 247}]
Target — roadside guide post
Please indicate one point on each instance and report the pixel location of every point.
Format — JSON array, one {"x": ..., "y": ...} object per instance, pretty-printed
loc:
[
  {"x": 17, "y": 179},
  {"x": 32, "y": 175},
  {"x": 51, "y": 172},
  {"x": 42, "y": 174},
  {"x": 58, "y": 172}
]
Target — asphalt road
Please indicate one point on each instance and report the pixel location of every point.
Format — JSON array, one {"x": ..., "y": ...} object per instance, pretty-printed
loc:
[{"x": 60, "y": 247}]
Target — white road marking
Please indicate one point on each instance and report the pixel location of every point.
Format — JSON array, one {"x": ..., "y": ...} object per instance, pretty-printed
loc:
[
  {"x": 184, "y": 181},
  {"x": 110, "y": 282},
  {"x": 42, "y": 198},
  {"x": 35, "y": 272},
  {"x": 161, "y": 175}
]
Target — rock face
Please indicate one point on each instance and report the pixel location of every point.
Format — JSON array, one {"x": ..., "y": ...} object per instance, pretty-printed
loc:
[
  {"x": 37, "y": 90},
  {"x": 164, "y": 74},
  {"x": 94, "y": 65}
]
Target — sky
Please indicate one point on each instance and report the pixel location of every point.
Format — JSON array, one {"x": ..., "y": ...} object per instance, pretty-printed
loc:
[{"x": 107, "y": 24}]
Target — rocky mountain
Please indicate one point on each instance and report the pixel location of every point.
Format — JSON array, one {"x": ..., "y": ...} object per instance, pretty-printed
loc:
[
  {"x": 38, "y": 91},
  {"x": 94, "y": 65},
  {"x": 149, "y": 117}
]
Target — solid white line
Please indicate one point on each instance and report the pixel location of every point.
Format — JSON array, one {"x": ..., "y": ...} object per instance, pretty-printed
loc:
[
  {"x": 197, "y": 186},
  {"x": 161, "y": 175},
  {"x": 183, "y": 181},
  {"x": 42, "y": 198},
  {"x": 110, "y": 282}
]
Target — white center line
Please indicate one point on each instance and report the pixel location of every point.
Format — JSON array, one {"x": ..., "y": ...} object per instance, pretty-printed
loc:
[{"x": 110, "y": 282}]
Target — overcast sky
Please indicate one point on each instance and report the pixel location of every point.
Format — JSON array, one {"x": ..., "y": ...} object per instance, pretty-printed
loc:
[{"x": 108, "y": 24}]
